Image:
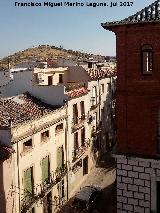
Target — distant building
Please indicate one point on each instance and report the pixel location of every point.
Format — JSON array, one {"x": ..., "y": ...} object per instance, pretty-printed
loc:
[{"x": 138, "y": 110}]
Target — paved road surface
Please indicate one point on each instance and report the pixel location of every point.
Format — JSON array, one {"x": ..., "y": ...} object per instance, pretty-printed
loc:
[{"x": 103, "y": 175}]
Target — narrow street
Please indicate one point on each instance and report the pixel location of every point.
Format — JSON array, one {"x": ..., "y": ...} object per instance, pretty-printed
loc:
[{"x": 103, "y": 175}]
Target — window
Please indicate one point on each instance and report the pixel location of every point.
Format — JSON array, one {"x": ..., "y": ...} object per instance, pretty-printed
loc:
[
  {"x": 47, "y": 203},
  {"x": 60, "y": 188},
  {"x": 75, "y": 114},
  {"x": 147, "y": 59},
  {"x": 60, "y": 78},
  {"x": 45, "y": 169},
  {"x": 27, "y": 145},
  {"x": 76, "y": 146},
  {"x": 83, "y": 136},
  {"x": 94, "y": 96},
  {"x": 60, "y": 157},
  {"x": 89, "y": 64},
  {"x": 28, "y": 181},
  {"x": 59, "y": 127},
  {"x": 44, "y": 135},
  {"x": 50, "y": 82},
  {"x": 102, "y": 88},
  {"x": 32, "y": 211},
  {"x": 82, "y": 110}
]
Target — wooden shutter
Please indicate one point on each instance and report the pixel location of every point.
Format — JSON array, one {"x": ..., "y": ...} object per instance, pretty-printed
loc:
[
  {"x": 45, "y": 168},
  {"x": 28, "y": 186},
  {"x": 60, "y": 157},
  {"x": 82, "y": 107}
]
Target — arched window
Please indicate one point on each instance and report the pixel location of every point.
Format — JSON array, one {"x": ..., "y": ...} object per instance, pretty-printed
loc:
[{"x": 147, "y": 59}]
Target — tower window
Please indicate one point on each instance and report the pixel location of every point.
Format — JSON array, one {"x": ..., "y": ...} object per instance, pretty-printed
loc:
[{"x": 147, "y": 59}]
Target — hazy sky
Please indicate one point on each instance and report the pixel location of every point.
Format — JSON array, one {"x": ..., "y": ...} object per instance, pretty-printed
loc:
[{"x": 76, "y": 28}]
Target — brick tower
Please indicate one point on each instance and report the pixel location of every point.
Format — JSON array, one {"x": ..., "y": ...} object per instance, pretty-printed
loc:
[{"x": 138, "y": 110}]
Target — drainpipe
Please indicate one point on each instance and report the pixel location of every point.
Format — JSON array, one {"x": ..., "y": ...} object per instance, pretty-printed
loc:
[
  {"x": 18, "y": 175},
  {"x": 66, "y": 146}
]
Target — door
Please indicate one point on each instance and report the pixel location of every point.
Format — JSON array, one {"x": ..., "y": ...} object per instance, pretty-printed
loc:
[
  {"x": 50, "y": 80},
  {"x": 85, "y": 165},
  {"x": 158, "y": 196}
]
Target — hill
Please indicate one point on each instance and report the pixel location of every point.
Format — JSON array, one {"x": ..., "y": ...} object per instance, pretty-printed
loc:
[
  {"x": 40, "y": 53},
  {"x": 45, "y": 52}
]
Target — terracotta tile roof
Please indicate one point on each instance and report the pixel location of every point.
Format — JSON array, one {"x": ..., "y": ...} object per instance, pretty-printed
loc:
[
  {"x": 101, "y": 73},
  {"x": 148, "y": 14},
  {"x": 21, "y": 108},
  {"x": 77, "y": 92},
  {"x": 5, "y": 152}
]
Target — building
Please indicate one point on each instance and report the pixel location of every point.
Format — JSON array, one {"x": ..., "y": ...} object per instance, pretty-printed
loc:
[
  {"x": 82, "y": 133},
  {"x": 138, "y": 110},
  {"x": 37, "y": 133},
  {"x": 6, "y": 181}
]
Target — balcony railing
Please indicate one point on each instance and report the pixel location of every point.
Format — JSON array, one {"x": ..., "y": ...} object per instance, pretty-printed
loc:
[
  {"x": 77, "y": 121},
  {"x": 41, "y": 191},
  {"x": 28, "y": 201},
  {"x": 77, "y": 153},
  {"x": 96, "y": 130},
  {"x": 94, "y": 103}
]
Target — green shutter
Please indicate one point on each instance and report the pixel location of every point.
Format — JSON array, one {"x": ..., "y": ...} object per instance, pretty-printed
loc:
[
  {"x": 60, "y": 157},
  {"x": 28, "y": 181},
  {"x": 45, "y": 169}
]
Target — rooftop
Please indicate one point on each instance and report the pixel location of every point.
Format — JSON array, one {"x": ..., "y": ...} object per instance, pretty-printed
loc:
[
  {"x": 77, "y": 92},
  {"x": 101, "y": 73},
  {"x": 148, "y": 14},
  {"x": 21, "y": 108}
]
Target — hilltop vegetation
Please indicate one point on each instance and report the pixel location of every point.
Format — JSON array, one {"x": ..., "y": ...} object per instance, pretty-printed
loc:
[{"x": 42, "y": 53}]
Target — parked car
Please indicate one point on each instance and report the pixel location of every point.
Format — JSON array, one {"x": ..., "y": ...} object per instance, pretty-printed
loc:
[{"x": 85, "y": 199}]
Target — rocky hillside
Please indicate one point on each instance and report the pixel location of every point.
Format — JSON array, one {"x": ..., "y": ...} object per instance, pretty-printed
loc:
[
  {"x": 40, "y": 53},
  {"x": 45, "y": 52}
]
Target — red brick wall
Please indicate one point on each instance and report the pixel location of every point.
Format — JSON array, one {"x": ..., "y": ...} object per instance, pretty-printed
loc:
[{"x": 138, "y": 96}]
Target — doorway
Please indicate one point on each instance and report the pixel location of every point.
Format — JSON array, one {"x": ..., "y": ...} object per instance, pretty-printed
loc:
[{"x": 85, "y": 165}]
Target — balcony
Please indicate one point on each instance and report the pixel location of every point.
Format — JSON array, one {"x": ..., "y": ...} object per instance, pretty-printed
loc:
[
  {"x": 78, "y": 121},
  {"x": 96, "y": 130},
  {"x": 41, "y": 191},
  {"x": 52, "y": 180},
  {"x": 77, "y": 166},
  {"x": 28, "y": 201},
  {"x": 94, "y": 103},
  {"x": 77, "y": 153}
]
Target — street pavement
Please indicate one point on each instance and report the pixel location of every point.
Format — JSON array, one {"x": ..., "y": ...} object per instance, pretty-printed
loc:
[{"x": 103, "y": 175}]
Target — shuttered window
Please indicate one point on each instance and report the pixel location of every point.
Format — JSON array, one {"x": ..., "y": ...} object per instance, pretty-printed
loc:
[
  {"x": 83, "y": 136},
  {"x": 45, "y": 169},
  {"x": 60, "y": 157},
  {"x": 94, "y": 96},
  {"x": 82, "y": 110},
  {"x": 147, "y": 59},
  {"x": 75, "y": 114},
  {"x": 28, "y": 181}
]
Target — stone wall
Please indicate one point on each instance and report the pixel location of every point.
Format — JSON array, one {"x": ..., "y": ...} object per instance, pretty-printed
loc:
[{"x": 136, "y": 184}]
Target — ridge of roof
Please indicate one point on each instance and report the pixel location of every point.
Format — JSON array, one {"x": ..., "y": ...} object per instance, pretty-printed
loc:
[{"x": 146, "y": 15}]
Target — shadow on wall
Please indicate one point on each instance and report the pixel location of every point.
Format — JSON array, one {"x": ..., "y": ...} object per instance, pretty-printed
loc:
[{"x": 2, "y": 192}]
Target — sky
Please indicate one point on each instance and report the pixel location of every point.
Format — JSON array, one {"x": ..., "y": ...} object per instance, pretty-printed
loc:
[{"x": 76, "y": 28}]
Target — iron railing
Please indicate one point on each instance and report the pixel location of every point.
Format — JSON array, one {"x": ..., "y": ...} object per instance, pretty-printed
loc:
[
  {"x": 78, "y": 152},
  {"x": 43, "y": 189}
]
